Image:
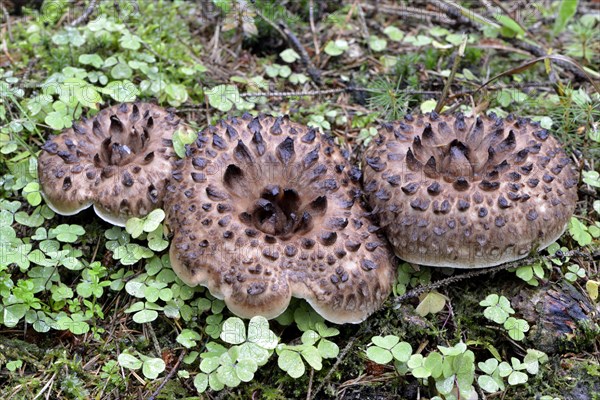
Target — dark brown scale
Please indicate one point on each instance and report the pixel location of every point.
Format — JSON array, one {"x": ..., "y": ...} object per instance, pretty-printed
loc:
[
  {"x": 488, "y": 186},
  {"x": 434, "y": 189},
  {"x": 463, "y": 205},
  {"x": 410, "y": 188},
  {"x": 503, "y": 203},
  {"x": 461, "y": 184},
  {"x": 420, "y": 204}
]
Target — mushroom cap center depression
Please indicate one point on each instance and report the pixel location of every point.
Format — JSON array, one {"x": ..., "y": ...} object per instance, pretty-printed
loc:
[
  {"x": 277, "y": 209},
  {"x": 468, "y": 157},
  {"x": 121, "y": 147}
]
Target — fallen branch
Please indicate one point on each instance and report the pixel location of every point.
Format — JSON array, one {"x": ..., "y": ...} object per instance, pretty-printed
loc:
[
  {"x": 454, "y": 279},
  {"x": 86, "y": 14}
]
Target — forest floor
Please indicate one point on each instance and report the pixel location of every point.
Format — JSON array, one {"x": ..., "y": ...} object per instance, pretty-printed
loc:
[{"x": 88, "y": 310}]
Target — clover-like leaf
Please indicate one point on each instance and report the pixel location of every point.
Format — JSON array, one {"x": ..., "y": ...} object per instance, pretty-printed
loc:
[
  {"x": 337, "y": 47},
  {"x": 489, "y": 366},
  {"x": 188, "y": 338},
  {"x": 488, "y": 383},
  {"x": 379, "y": 355},
  {"x": 129, "y": 361},
  {"x": 260, "y": 334},
  {"x": 289, "y": 56},
  {"x": 312, "y": 357},
  {"x": 402, "y": 351},
  {"x": 152, "y": 367},
  {"x": 517, "y": 378},
  {"x": 144, "y": 316},
  {"x": 233, "y": 331},
  {"x": 328, "y": 349},
  {"x": 516, "y": 328},
  {"x": 201, "y": 382},
  {"x": 432, "y": 302},
  {"x": 291, "y": 362},
  {"x": 386, "y": 342}
]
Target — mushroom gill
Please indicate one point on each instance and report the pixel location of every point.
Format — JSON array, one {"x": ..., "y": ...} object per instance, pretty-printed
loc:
[
  {"x": 264, "y": 209},
  {"x": 119, "y": 161},
  {"x": 463, "y": 192}
]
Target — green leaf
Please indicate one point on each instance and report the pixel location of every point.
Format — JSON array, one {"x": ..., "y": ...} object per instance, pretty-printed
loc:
[
  {"x": 144, "y": 316},
  {"x": 31, "y": 191},
  {"x": 312, "y": 357},
  {"x": 591, "y": 287},
  {"x": 394, "y": 33},
  {"x": 592, "y": 178},
  {"x": 134, "y": 226},
  {"x": 433, "y": 302},
  {"x": 181, "y": 137},
  {"x": 121, "y": 71},
  {"x": 428, "y": 105},
  {"x": 488, "y": 383},
  {"x": 201, "y": 382},
  {"x": 129, "y": 361},
  {"x": 291, "y": 362},
  {"x": 233, "y": 331},
  {"x": 215, "y": 383},
  {"x": 58, "y": 120},
  {"x": 245, "y": 369},
  {"x": 152, "y": 220},
  {"x": 91, "y": 59},
  {"x": 289, "y": 56},
  {"x": 177, "y": 94},
  {"x": 336, "y": 48},
  {"x": 525, "y": 273},
  {"x": 13, "y": 314},
  {"x": 434, "y": 364},
  {"x": 188, "y": 338},
  {"x": 152, "y": 367},
  {"x": 227, "y": 374},
  {"x": 498, "y": 308},
  {"x": 121, "y": 91},
  {"x": 516, "y": 328},
  {"x": 579, "y": 232},
  {"x": 517, "y": 378},
  {"x": 567, "y": 10},
  {"x": 379, "y": 355},
  {"x": 66, "y": 233},
  {"x": 511, "y": 28},
  {"x": 376, "y": 43},
  {"x": 386, "y": 342},
  {"x": 223, "y": 97},
  {"x": 260, "y": 334},
  {"x": 445, "y": 386},
  {"x": 129, "y": 41},
  {"x": 252, "y": 351},
  {"x": 489, "y": 366},
  {"x": 402, "y": 351},
  {"x": 328, "y": 349}
]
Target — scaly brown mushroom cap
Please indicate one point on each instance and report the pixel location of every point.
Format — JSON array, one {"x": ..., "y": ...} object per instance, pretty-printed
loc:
[
  {"x": 119, "y": 161},
  {"x": 264, "y": 209},
  {"x": 461, "y": 192}
]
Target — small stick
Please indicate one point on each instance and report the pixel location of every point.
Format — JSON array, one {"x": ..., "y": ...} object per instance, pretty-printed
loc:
[
  {"x": 311, "y": 16},
  {"x": 169, "y": 376},
  {"x": 336, "y": 365},
  {"x": 453, "y": 279},
  {"x": 310, "y": 383},
  {"x": 459, "y": 55},
  {"x": 86, "y": 14},
  {"x": 7, "y": 18},
  {"x": 409, "y": 12},
  {"x": 312, "y": 71}
]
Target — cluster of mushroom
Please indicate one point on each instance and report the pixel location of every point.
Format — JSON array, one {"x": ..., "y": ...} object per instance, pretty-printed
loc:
[{"x": 263, "y": 209}]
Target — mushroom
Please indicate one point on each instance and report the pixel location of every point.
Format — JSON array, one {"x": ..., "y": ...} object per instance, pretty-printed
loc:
[
  {"x": 119, "y": 161},
  {"x": 464, "y": 192},
  {"x": 264, "y": 209}
]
